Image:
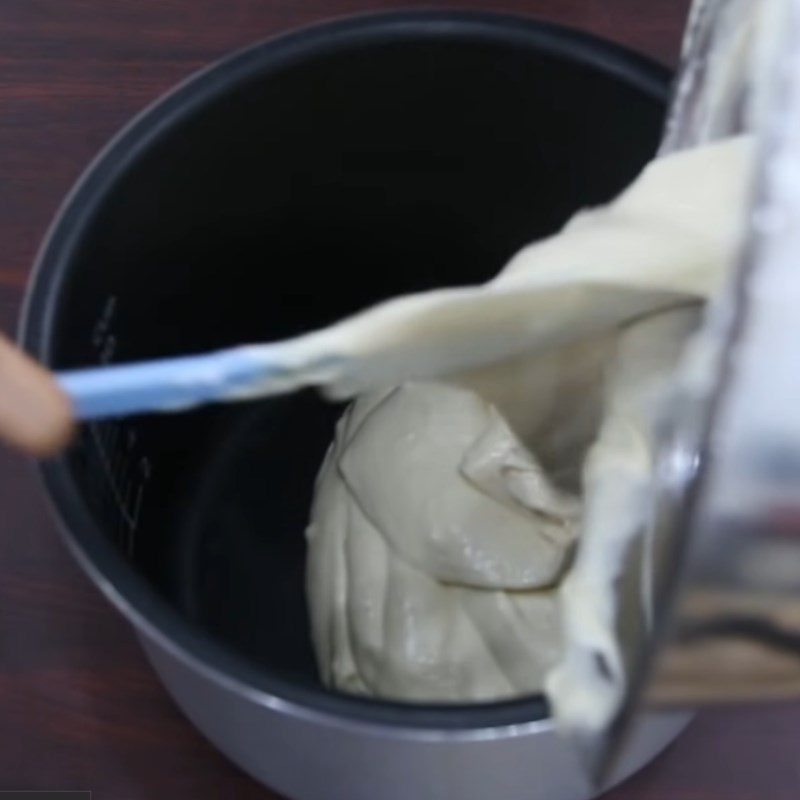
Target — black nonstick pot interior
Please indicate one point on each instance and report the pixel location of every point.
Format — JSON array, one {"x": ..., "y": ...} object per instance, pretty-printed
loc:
[{"x": 292, "y": 184}]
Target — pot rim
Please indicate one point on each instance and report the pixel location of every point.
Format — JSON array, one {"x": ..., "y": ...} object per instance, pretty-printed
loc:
[{"x": 129, "y": 592}]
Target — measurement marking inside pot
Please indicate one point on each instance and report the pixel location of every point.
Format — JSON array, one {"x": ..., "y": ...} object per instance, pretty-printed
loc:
[
  {"x": 108, "y": 471},
  {"x": 116, "y": 442}
]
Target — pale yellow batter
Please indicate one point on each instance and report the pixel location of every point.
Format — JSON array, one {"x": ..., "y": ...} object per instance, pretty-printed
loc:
[{"x": 446, "y": 515}]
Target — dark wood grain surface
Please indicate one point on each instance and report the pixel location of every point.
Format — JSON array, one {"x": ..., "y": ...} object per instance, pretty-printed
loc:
[{"x": 79, "y": 707}]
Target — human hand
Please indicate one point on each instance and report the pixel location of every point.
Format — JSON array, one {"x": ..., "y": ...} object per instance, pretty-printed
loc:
[{"x": 35, "y": 415}]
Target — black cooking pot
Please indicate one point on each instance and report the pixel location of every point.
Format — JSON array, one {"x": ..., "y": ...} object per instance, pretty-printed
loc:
[{"x": 284, "y": 187}]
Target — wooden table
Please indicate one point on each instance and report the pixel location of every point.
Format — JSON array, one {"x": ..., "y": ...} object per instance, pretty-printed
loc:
[{"x": 79, "y": 707}]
